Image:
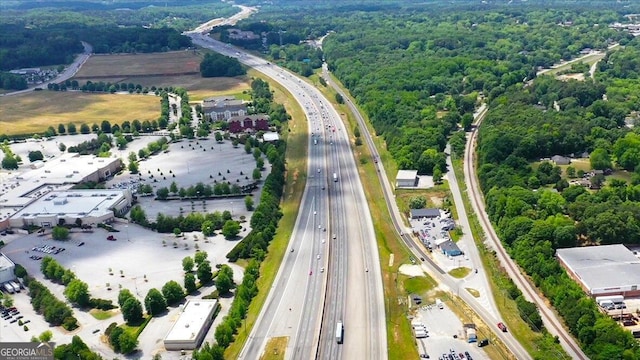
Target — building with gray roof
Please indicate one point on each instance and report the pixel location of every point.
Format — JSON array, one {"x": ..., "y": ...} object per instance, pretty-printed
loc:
[
  {"x": 603, "y": 270},
  {"x": 424, "y": 213}
]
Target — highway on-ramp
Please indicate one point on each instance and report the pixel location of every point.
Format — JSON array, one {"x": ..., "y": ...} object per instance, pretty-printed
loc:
[{"x": 323, "y": 280}]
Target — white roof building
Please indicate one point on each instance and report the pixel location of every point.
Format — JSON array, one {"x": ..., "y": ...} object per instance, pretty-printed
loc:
[
  {"x": 192, "y": 325},
  {"x": 20, "y": 189},
  {"x": 6, "y": 269},
  {"x": 91, "y": 206},
  {"x": 603, "y": 270},
  {"x": 406, "y": 178}
]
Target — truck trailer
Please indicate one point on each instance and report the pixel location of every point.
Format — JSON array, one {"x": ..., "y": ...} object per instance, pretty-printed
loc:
[
  {"x": 616, "y": 299},
  {"x": 335, "y": 177},
  {"x": 339, "y": 332},
  {"x": 15, "y": 286},
  {"x": 8, "y": 288}
]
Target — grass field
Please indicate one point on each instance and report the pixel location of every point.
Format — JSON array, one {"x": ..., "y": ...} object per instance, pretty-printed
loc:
[
  {"x": 101, "y": 314},
  {"x": 35, "y": 111},
  {"x": 275, "y": 348}
]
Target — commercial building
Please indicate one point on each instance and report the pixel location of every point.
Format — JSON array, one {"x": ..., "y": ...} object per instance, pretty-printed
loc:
[
  {"x": 407, "y": 179},
  {"x": 603, "y": 270},
  {"x": 424, "y": 213},
  {"x": 23, "y": 188},
  {"x": 248, "y": 123},
  {"x": 90, "y": 206},
  {"x": 223, "y": 108},
  {"x": 6, "y": 269},
  {"x": 450, "y": 248},
  {"x": 192, "y": 325}
]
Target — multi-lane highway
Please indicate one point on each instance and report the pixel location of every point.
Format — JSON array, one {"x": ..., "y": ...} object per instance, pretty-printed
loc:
[{"x": 331, "y": 272}]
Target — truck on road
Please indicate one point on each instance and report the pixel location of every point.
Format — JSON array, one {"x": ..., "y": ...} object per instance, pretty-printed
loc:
[
  {"x": 335, "y": 177},
  {"x": 15, "y": 286},
  {"x": 339, "y": 332}
]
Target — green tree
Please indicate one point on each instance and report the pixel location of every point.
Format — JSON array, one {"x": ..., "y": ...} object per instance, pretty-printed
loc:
[
  {"x": 172, "y": 292},
  {"x": 257, "y": 175},
  {"x": 132, "y": 311},
  {"x": 224, "y": 334},
  {"x": 248, "y": 203},
  {"x": 85, "y": 129},
  {"x": 133, "y": 167},
  {"x": 187, "y": 264},
  {"x": 224, "y": 280},
  {"x": 77, "y": 292},
  {"x": 230, "y": 229},
  {"x": 173, "y": 188},
  {"x": 60, "y": 233},
  {"x": 35, "y": 155},
  {"x": 154, "y": 302},
  {"x": 208, "y": 228},
  {"x": 204, "y": 272},
  {"x": 600, "y": 159},
  {"x": 162, "y": 193},
  {"x": 417, "y": 202},
  {"x": 200, "y": 257},
  {"x": 123, "y": 296},
  {"x": 127, "y": 342},
  {"x": 190, "y": 283}
]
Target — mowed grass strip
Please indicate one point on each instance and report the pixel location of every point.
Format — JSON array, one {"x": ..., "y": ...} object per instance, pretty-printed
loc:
[
  {"x": 167, "y": 63},
  {"x": 275, "y": 348},
  {"x": 34, "y": 112},
  {"x": 296, "y": 178}
]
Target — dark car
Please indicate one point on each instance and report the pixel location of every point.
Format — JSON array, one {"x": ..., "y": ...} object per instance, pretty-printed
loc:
[
  {"x": 81, "y": 244},
  {"x": 483, "y": 342},
  {"x": 111, "y": 238}
]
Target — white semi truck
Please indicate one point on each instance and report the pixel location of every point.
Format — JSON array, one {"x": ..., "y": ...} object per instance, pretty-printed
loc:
[
  {"x": 339, "y": 332},
  {"x": 335, "y": 177}
]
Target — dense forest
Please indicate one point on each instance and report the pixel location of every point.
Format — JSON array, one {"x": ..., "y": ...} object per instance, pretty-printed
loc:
[{"x": 32, "y": 35}]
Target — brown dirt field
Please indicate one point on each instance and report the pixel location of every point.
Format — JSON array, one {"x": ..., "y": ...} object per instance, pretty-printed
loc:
[
  {"x": 36, "y": 111},
  {"x": 175, "y": 62}
]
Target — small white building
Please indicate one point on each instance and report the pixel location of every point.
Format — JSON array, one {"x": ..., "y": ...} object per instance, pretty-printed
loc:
[
  {"x": 407, "y": 179},
  {"x": 6, "y": 269},
  {"x": 189, "y": 330}
]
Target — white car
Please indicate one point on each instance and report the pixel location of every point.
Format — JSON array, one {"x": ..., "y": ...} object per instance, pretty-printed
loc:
[{"x": 318, "y": 257}]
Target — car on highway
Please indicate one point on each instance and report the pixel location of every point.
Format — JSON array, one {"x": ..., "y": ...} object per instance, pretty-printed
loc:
[
  {"x": 334, "y": 236},
  {"x": 111, "y": 238},
  {"x": 322, "y": 269},
  {"x": 502, "y": 327}
]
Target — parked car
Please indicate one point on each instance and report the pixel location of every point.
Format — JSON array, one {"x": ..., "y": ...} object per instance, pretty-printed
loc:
[{"x": 111, "y": 238}]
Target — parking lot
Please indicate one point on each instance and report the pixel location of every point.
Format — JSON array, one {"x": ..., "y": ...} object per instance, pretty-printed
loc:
[
  {"x": 442, "y": 325},
  {"x": 137, "y": 260}
]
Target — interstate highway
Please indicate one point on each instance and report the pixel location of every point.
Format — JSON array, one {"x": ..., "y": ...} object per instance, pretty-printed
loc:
[{"x": 354, "y": 295}]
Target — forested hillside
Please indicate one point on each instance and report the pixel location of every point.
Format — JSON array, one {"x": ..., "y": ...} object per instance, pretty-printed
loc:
[{"x": 34, "y": 34}]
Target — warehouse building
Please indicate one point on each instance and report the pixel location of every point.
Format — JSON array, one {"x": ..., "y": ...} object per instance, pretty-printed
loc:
[
  {"x": 407, "y": 179},
  {"x": 192, "y": 325},
  {"x": 90, "y": 206},
  {"x": 6, "y": 269},
  {"x": 603, "y": 270}
]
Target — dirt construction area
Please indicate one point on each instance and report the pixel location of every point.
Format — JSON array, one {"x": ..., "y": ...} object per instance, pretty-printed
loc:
[{"x": 168, "y": 63}]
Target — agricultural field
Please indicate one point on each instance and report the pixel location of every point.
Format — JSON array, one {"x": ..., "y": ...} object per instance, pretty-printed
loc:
[
  {"x": 35, "y": 111},
  {"x": 127, "y": 65}
]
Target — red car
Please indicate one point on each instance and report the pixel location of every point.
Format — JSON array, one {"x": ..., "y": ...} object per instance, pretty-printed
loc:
[
  {"x": 502, "y": 327},
  {"x": 111, "y": 238}
]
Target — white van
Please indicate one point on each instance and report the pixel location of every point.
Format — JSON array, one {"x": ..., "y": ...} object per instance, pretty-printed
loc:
[{"x": 439, "y": 304}]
